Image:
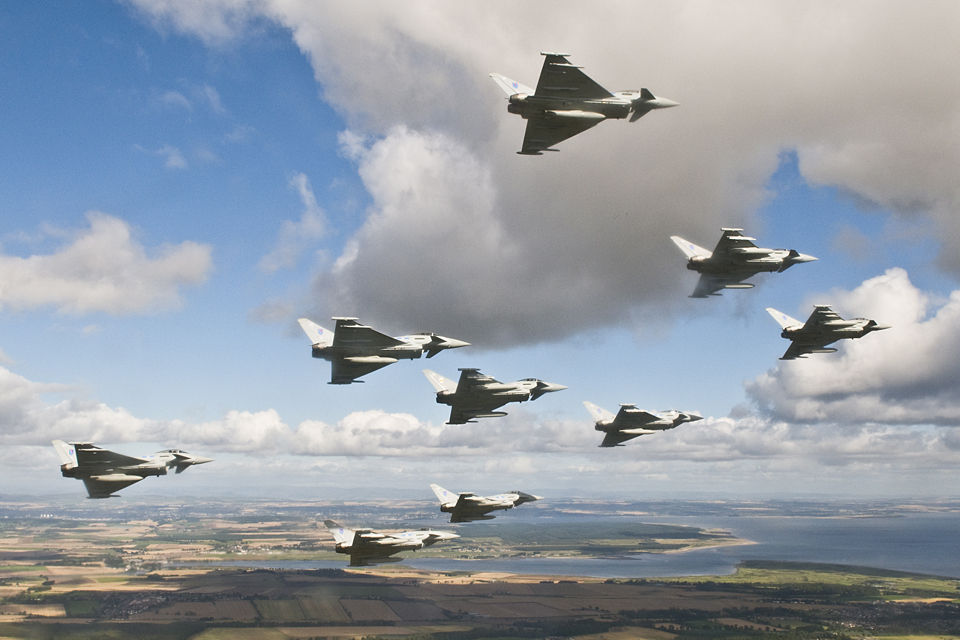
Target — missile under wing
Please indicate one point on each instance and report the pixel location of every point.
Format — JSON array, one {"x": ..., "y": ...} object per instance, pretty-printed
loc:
[
  {"x": 354, "y": 349},
  {"x": 477, "y": 395},
  {"x": 823, "y": 327},
  {"x": 467, "y": 507},
  {"x": 105, "y": 472},
  {"x": 631, "y": 422},
  {"x": 366, "y": 546},
  {"x": 735, "y": 259},
  {"x": 567, "y": 102}
]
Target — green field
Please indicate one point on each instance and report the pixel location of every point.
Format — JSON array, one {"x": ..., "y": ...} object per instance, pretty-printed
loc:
[{"x": 865, "y": 582}]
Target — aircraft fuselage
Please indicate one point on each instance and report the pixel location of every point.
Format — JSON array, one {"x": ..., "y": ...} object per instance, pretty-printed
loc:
[{"x": 618, "y": 107}]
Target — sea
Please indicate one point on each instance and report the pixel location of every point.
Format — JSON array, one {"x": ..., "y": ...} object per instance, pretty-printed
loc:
[{"x": 927, "y": 543}]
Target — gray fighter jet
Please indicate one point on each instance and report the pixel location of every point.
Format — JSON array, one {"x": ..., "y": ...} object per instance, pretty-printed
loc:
[
  {"x": 354, "y": 350},
  {"x": 631, "y": 422},
  {"x": 105, "y": 472},
  {"x": 568, "y": 102},
  {"x": 823, "y": 327},
  {"x": 734, "y": 260},
  {"x": 467, "y": 507},
  {"x": 366, "y": 546},
  {"x": 477, "y": 395}
]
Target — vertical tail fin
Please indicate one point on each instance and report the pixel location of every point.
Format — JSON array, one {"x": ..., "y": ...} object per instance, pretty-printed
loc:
[
  {"x": 341, "y": 534},
  {"x": 446, "y": 498},
  {"x": 67, "y": 453},
  {"x": 439, "y": 382},
  {"x": 317, "y": 334},
  {"x": 599, "y": 413},
  {"x": 510, "y": 87},
  {"x": 783, "y": 319},
  {"x": 690, "y": 249}
]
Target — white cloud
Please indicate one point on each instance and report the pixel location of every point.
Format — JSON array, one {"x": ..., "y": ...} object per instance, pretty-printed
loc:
[
  {"x": 175, "y": 99},
  {"x": 174, "y": 159},
  {"x": 908, "y": 374},
  {"x": 855, "y": 89},
  {"x": 103, "y": 269},
  {"x": 374, "y": 448},
  {"x": 296, "y": 237}
]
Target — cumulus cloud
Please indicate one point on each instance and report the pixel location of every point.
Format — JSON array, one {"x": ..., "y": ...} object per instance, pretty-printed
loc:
[
  {"x": 815, "y": 77},
  {"x": 103, "y": 268},
  {"x": 909, "y": 374},
  {"x": 295, "y": 237},
  {"x": 378, "y": 433},
  {"x": 375, "y": 448}
]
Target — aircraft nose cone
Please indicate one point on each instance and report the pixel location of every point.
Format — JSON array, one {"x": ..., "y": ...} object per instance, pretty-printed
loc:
[
  {"x": 548, "y": 387},
  {"x": 880, "y": 327},
  {"x": 450, "y": 343},
  {"x": 200, "y": 460},
  {"x": 805, "y": 258},
  {"x": 664, "y": 103},
  {"x": 693, "y": 417}
]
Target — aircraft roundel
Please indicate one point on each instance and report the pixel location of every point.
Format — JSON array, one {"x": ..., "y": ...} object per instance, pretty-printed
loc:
[
  {"x": 341, "y": 529},
  {"x": 515, "y": 85}
]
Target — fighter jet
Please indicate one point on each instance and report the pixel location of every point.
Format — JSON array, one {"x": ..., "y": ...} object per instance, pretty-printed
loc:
[
  {"x": 467, "y": 507},
  {"x": 105, "y": 472},
  {"x": 477, "y": 395},
  {"x": 568, "y": 102},
  {"x": 631, "y": 422},
  {"x": 823, "y": 327},
  {"x": 734, "y": 260},
  {"x": 354, "y": 350},
  {"x": 366, "y": 546}
]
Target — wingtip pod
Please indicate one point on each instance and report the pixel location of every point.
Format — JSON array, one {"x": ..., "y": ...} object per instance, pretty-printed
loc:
[
  {"x": 317, "y": 334},
  {"x": 783, "y": 319}
]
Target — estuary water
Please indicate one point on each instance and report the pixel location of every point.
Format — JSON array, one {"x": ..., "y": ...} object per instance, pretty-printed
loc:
[{"x": 921, "y": 543}]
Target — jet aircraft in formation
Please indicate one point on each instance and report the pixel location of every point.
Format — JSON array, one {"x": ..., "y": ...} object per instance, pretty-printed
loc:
[
  {"x": 105, "y": 472},
  {"x": 734, "y": 259},
  {"x": 366, "y": 546},
  {"x": 354, "y": 350},
  {"x": 823, "y": 327},
  {"x": 567, "y": 102},
  {"x": 467, "y": 507},
  {"x": 477, "y": 395},
  {"x": 631, "y": 422}
]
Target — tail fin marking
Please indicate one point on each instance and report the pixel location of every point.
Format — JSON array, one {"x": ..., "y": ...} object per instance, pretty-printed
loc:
[
  {"x": 439, "y": 382},
  {"x": 691, "y": 250},
  {"x": 67, "y": 453},
  {"x": 599, "y": 413},
  {"x": 341, "y": 534},
  {"x": 511, "y": 87},
  {"x": 317, "y": 334},
  {"x": 783, "y": 319},
  {"x": 446, "y": 498}
]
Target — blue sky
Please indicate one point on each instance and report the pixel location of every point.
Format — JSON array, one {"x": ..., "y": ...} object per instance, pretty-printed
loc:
[{"x": 183, "y": 180}]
